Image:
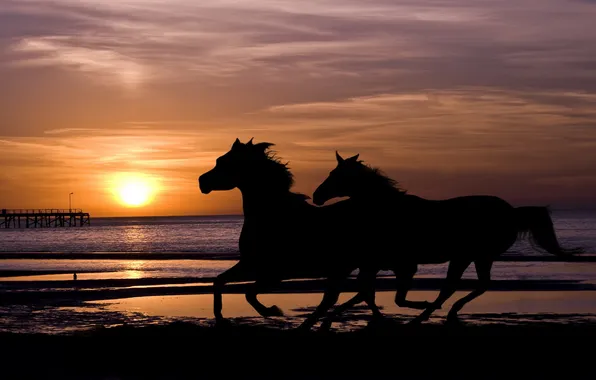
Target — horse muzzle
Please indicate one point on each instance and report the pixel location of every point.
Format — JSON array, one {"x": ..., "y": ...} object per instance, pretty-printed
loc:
[{"x": 205, "y": 189}]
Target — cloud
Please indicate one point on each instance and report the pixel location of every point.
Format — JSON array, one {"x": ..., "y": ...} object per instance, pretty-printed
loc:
[
  {"x": 451, "y": 95},
  {"x": 68, "y": 130},
  {"x": 375, "y": 42},
  {"x": 438, "y": 142},
  {"x": 461, "y": 130},
  {"x": 87, "y": 152},
  {"x": 52, "y": 51}
]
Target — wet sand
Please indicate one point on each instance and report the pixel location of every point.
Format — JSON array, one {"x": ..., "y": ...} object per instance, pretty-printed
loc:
[
  {"x": 513, "y": 306},
  {"x": 50, "y": 288},
  {"x": 493, "y": 308},
  {"x": 247, "y": 349},
  {"x": 505, "y": 334},
  {"x": 127, "y": 324}
]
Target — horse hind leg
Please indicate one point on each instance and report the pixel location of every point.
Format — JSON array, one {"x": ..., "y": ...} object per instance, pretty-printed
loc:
[
  {"x": 483, "y": 268},
  {"x": 455, "y": 270},
  {"x": 367, "y": 288}
]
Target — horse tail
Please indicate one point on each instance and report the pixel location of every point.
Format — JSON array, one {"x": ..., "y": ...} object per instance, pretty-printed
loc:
[{"x": 536, "y": 222}]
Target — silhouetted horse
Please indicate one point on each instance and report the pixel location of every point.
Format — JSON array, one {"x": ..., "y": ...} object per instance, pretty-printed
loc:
[
  {"x": 283, "y": 236},
  {"x": 406, "y": 230}
]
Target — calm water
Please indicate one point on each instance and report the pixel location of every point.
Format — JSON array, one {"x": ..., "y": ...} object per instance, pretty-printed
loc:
[
  {"x": 219, "y": 234},
  {"x": 209, "y": 234}
]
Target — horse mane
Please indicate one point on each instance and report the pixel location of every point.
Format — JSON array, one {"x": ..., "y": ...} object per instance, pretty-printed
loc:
[
  {"x": 380, "y": 179},
  {"x": 279, "y": 171}
]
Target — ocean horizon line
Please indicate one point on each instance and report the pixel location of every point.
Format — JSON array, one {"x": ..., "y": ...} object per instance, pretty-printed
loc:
[{"x": 173, "y": 216}]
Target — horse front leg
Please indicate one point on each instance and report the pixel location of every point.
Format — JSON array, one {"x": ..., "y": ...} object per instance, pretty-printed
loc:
[
  {"x": 236, "y": 273},
  {"x": 404, "y": 276},
  {"x": 330, "y": 297},
  {"x": 259, "y": 287}
]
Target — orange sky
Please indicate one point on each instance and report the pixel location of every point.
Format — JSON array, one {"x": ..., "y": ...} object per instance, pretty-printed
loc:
[{"x": 464, "y": 98}]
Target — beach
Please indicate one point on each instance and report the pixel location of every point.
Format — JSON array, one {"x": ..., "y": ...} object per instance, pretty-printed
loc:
[
  {"x": 149, "y": 312},
  {"x": 128, "y": 340},
  {"x": 528, "y": 333}
]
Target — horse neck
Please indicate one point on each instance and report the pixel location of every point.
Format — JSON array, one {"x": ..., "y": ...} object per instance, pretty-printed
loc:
[{"x": 257, "y": 201}]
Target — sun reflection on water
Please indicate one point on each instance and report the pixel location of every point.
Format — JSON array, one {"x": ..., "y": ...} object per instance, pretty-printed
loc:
[
  {"x": 135, "y": 234},
  {"x": 135, "y": 269},
  {"x": 132, "y": 274}
]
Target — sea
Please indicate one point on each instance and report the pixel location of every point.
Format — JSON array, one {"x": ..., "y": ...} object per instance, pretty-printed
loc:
[
  {"x": 195, "y": 240},
  {"x": 153, "y": 270}
]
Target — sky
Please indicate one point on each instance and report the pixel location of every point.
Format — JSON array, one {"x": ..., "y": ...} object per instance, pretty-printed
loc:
[{"x": 449, "y": 98}]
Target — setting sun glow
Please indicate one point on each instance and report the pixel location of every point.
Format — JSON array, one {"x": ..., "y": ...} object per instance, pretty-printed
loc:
[{"x": 134, "y": 190}]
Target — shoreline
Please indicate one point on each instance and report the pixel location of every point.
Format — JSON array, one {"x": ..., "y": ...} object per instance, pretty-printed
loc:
[
  {"x": 128, "y": 255},
  {"x": 65, "y": 292}
]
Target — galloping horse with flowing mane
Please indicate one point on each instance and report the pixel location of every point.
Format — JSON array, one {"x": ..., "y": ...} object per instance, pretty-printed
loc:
[
  {"x": 283, "y": 237},
  {"x": 407, "y": 230}
]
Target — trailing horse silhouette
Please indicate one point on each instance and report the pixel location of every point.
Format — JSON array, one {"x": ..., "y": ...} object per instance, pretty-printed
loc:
[
  {"x": 406, "y": 230},
  {"x": 283, "y": 236}
]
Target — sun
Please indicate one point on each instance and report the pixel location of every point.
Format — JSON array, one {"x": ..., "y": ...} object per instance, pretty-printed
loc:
[
  {"x": 134, "y": 193},
  {"x": 134, "y": 189}
]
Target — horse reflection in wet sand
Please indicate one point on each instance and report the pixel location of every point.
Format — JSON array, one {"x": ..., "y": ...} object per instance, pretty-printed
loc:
[
  {"x": 283, "y": 236},
  {"x": 406, "y": 230}
]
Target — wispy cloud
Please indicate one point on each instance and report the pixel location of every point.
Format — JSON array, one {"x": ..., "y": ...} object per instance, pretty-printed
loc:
[
  {"x": 140, "y": 41},
  {"x": 68, "y": 130},
  {"x": 56, "y": 51},
  {"x": 465, "y": 129}
]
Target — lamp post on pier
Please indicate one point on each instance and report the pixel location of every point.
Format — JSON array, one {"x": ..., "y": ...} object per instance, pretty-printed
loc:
[{"x": 70, "y": 202}]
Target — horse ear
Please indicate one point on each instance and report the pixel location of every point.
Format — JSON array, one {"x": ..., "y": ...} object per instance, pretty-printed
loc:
[
  {"x": 354, "y": 158},
  {"x": 338, "y": 157},
  {"x": 249, "y": 143},
  {"x": 236, "y": 144}
]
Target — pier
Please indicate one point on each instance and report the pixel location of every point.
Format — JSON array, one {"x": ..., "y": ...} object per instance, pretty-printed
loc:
[{"x": 44, "y": 218}]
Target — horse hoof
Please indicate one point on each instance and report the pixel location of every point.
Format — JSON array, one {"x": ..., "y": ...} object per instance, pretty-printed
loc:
[
  {"x": 453, "y": 320},
  {"x": 325, "y": 326},
  {"x": 274, "y": 311}
]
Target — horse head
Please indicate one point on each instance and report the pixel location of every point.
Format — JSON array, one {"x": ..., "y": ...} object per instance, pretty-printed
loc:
[
  {"x": 353, "y": 178},
  {"x": 243, "y": 164},
  {"x": 341, "y": 181}
]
